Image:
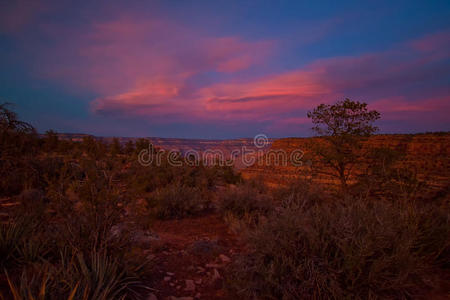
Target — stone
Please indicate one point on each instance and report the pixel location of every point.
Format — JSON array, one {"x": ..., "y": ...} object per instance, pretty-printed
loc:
[
  {"x": 190, "y": 285},
  {"x": 144, "y": 238},
  {"x": 224, "y": 258},
  {"x": 151, "y": 296},
  {"x": 203, "y": 247},
  {"x": 216, "y": 275}
]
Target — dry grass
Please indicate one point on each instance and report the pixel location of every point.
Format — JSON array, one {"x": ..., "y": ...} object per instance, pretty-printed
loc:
[{"x": 351, "y": 249}]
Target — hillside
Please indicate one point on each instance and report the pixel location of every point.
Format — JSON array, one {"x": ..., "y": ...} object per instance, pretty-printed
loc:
[{"x": 426, "y": 155}]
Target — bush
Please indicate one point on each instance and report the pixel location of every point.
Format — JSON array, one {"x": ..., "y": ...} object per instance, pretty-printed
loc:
[
  {"x": 178, "y": 201},
  {"x": 245, "y": 205},
  {"x": 355, "y": 249},
  {"x": 99, "y": 276},
  {"x": 13, "y": 236},
  {"x": 299, "y": 194}
]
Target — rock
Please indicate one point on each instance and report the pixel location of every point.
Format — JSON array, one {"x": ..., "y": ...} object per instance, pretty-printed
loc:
[
  {"x": 151, "y": 296},
  {"x": 224, "y": 258},
  {"x": 216, "y": 275},
  {"x": 190, "y": 285},
  {"x": 167, "y": 278},
  {"x": 419, "y": 148},
  {"x": 170, "y": 273},
  {"x": 204, "y": 247},
  {"x": 144, "y": 238}
]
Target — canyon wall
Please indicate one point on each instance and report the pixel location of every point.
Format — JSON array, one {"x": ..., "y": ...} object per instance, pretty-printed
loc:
[{"x": 426, "y": 155}]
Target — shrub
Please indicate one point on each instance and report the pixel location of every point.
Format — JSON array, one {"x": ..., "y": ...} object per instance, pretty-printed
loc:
[
  {"x": 100, "y": 275},
  {"x": 12, "y": 235},
  {"x": 178, "y": 201},
  {"x": 299, "y": 194},
  {"x": 355, "y": 249},
  {"x": 245, "y": 205}
]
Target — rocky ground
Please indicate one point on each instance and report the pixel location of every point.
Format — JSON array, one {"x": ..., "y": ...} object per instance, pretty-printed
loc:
[{"x": 189, "y": 257}]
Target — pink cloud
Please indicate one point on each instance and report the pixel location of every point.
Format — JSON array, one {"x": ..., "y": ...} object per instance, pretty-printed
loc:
[
  {"x": 433, "y": 42},
  {"x": 122, "y": 55},
  {"x": 424, "y": 110},
  {"x": 147, "y": 68}
]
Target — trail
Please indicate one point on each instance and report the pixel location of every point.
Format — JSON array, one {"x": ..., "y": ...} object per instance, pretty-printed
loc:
[{"x": 189, "y": 257}]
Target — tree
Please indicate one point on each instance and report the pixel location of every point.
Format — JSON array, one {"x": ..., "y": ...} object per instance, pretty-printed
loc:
[
  {"x": 342, "y": 127},
  {"x": 51, "y": 140},
  {"x": 129, "y": 147},
  {"x": 18, "y": 145},
  {"x": 16, "y": 137},
  {"x": 116, "y": 147}
]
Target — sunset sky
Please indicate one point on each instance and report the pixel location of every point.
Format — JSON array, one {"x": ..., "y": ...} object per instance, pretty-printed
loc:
[{"x": 222, "y": 69}]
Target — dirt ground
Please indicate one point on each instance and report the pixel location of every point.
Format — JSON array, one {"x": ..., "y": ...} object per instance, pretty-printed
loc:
[{"x": 189, "y": 257}]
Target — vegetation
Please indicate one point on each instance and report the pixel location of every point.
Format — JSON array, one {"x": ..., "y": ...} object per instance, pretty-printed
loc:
[
  {"x": 374, "y": 240},
  {"x": 77, "y": 212},
  {"x": 342, "y": 126},
  {"x": 355, "y": 248},
  {"x": 70, "y": 231}
]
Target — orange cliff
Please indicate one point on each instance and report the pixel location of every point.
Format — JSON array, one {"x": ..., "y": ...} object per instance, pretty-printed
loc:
[{"x": 427, "y": 155}]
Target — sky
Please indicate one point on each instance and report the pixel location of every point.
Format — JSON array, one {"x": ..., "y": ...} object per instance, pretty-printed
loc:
[{"x": 222, "y": 69}]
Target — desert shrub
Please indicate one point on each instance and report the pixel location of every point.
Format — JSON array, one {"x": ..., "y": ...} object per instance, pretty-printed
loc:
[
  {"x": 16, "y": 242},
  {"x": 74, "y": 276},
  {"x": 32, "y": 249},
  {"x": 178, "y": 201},
  {"x": 31, "y": 284},
  {"x": 357, "y": 249},
  {"x": 11, "y": 235},
  {"x": 99, "y": 275},
  {"x": 385, "y": 177},
  {"x": 245, "y": 205},
  {"x": 298, "y": 194}
]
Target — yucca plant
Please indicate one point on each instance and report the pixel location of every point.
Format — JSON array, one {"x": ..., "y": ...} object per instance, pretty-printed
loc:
[
  {"x": 102, "y": 276},
  {"x": 33, "y": 287},
  {"x": 11, "y": 236},
  {"x": 31, "y": 250}
]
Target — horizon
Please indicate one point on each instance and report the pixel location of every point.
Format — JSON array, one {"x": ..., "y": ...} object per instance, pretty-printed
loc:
[
  {"x": 236, "y": 138},
  {"x": 222, "y": 70}
]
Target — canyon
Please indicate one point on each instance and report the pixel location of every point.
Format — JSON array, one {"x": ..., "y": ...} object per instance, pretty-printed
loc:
[{"x": 425, "y": 156}]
